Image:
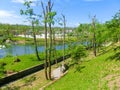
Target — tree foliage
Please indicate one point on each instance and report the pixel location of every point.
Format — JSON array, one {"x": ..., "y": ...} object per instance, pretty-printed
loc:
[{"x": 78, "y": 53}]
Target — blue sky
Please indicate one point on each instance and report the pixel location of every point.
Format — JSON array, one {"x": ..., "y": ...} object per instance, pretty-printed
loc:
[{"x": 76, "y": 11}]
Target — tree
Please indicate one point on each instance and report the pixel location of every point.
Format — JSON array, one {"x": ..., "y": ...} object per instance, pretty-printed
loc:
[
  {"x": 78, "y": 53},
  {"x": 94, "y": 35},
  {"x": 48, "y": 19},
  {"x": 114, "y": 27},
  {"x": 31, "y": 18},
  {"x": 54, "y": 47},
  {"x": 64, "y": 24},
  {"x": 45, "y": 12},
  {"x": 50, "y": 22}
]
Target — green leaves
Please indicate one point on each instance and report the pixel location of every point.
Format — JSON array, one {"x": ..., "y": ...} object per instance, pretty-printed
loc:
[
  {"x": 114, "y": 27},
  {"x": 21, "y": 12},
  {"x": 27, "y": 4},
  {"x": 78, "y": 52},
  {"x": 52, "y": 14},
  {"x": 27, "y": 12},
  {"x": 50, "y": 17}
]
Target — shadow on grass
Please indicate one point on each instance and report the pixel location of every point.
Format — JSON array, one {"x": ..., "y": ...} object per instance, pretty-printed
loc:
[
  {"x": 104, "y": 51},
  {"x": 79, "y": 68},
  {"x": 73, "y": 64},
  {"x": 77, "y": 65},
  {"x": 116, "y": 57}
]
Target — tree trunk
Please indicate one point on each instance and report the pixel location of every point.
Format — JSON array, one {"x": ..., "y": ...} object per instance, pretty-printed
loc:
[
  {"x": 46, "y": 51},
  {"x": 50, "y": 43},
  {"x": 94, "y": 37},
  {"x": 50, "y": 51},
  {"x": 64, "y": 21},
  {"x": 94, "y": 44},
  {"x": 54, "y": 52},
  {"x": 35, "y": 42}
]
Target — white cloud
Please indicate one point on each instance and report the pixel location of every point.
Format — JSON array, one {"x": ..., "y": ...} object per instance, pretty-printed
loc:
[
  {"x": 5, "y": 14},
  {"x": 92, "y": 0},
  {"x": 9, "y": 17},
  {"x": 22, "y": 1},
  {"x": 18, "y": 1}
]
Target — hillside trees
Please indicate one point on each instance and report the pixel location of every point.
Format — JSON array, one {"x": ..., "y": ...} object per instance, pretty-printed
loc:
[
  {"x": 6, "y": 32},
  {"x": 93, "y": 35},
  {"x": 114, "y": 27}
]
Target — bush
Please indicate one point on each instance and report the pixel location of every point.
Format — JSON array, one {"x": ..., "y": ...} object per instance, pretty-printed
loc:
[
  {"x": 2, "y": 72},
  {"x": 78, "y": 53}
]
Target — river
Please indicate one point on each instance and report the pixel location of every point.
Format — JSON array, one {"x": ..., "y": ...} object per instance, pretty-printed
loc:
[{"x": 17, "y": 50}]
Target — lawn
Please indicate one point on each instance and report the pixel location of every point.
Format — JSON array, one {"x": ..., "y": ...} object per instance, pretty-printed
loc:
[
  {"x": 9, "y": 64},
  {"x": 26, "y": 61},
  {"x": 100, "y": 73}
]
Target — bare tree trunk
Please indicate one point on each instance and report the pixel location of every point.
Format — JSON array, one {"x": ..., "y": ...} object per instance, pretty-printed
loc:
[
  {"x": 46, "y": 51},
  {"x": 35, "y": 42},
  {"x": 94, "y": 36},
  {"x": 50, "y": 51},
  {"x": 64, "y": 21},
  {"x": 50, "y": 43},
  {"x": 94, "y": 44},
  {"x": 54, "y": 52}
]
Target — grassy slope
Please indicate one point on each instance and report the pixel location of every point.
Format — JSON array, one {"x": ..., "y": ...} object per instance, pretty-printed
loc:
[
  {"x": 97, "y": 74},
  {"x": 27, "y": 61}
]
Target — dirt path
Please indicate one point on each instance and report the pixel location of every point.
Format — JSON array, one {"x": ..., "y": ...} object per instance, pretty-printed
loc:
[{"x": 53, "y": 81}]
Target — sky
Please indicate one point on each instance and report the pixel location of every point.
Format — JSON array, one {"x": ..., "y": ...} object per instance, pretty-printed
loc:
[{"x": 76, "y": 11}]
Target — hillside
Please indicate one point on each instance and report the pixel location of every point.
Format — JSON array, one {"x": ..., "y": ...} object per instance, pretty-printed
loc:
[{"x": 99, "y": 73}]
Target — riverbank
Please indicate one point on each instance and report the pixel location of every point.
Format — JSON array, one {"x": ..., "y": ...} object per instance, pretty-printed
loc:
[
  {"x": 13, "y": 64},
  {"x": 41, "y": 41}
]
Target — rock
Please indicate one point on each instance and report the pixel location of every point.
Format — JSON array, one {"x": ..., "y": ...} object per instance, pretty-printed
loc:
[
  {"x": 56, "y": 73},
  {"x": 64, "y": 67},
  {"x": 17, "y": 60},
  {"x": 59, "y": 71}
]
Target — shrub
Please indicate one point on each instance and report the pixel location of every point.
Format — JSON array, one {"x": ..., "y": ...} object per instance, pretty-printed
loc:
[
  {"x": 2, "y": 72},
  {"x": 78, "y": 53}
]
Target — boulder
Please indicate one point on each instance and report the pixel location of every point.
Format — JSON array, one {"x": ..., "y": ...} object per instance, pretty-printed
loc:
[{"x": 17, "y": 60}]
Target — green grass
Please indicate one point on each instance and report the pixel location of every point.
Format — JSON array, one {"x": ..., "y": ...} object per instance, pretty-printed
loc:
[
  {"x": 26, "y": 61},
  {"x": 27, "y": 40},
  {"x": 40, "y": 41},
  {"x": 92, "y": 74}
]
